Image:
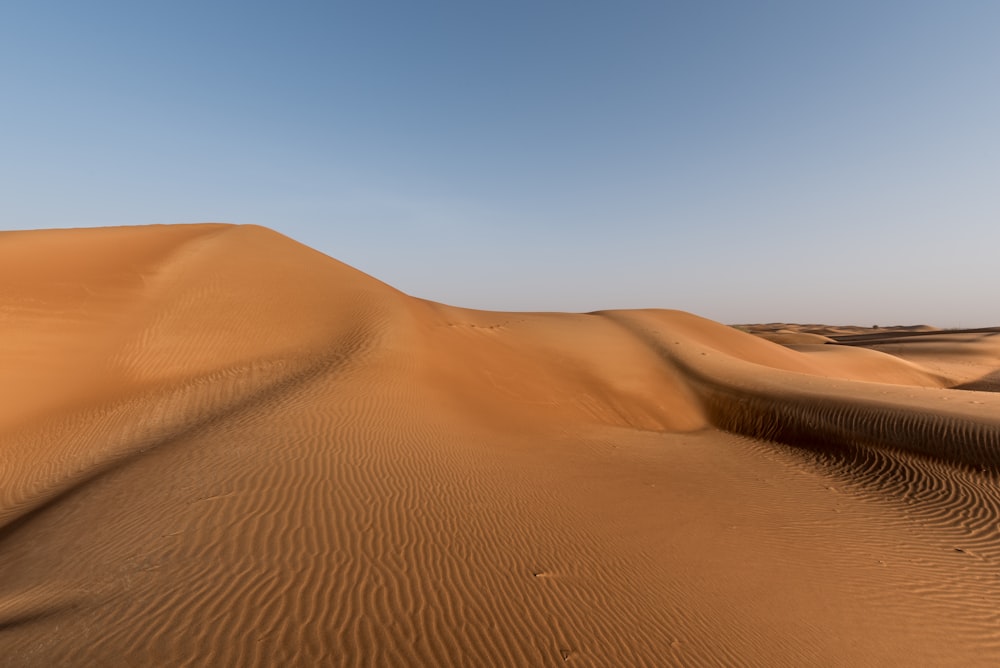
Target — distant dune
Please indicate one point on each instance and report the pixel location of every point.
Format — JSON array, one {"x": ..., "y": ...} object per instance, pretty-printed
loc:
[{"x": 220, "y": 447}]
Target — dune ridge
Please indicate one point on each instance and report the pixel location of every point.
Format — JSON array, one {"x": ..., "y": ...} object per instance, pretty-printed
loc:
[
  {"x": 774, "y": 405},
  {"x": 220, "y": 447}
]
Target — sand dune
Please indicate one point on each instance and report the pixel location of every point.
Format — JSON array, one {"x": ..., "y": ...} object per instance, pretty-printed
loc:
[{"x": 220, "y": 447}]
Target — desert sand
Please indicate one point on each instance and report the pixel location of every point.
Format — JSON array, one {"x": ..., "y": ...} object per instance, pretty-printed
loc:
[{"x": 219, "y": 447}]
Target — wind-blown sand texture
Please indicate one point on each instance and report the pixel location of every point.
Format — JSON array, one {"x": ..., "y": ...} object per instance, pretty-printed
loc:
[{"x": 219, "y": 447}]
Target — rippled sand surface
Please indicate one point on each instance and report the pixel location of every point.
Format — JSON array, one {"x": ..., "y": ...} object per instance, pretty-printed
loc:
[{"x": 220, "y": 447}]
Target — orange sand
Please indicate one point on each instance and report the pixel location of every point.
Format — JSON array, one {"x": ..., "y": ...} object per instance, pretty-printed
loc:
[{"x": 220, "y": 447}]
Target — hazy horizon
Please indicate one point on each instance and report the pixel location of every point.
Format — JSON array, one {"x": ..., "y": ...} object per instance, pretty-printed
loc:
[{"x": 828, "y": 164}]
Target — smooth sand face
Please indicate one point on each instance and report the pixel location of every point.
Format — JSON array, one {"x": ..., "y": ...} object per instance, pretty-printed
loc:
[{"x": 219, "y": 447}]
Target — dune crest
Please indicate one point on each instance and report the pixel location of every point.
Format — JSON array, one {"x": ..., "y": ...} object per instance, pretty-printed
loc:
[{"x": 219, "y": 446}]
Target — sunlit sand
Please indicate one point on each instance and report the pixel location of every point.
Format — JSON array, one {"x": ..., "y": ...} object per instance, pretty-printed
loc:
[{"x": 221, "y": 447}]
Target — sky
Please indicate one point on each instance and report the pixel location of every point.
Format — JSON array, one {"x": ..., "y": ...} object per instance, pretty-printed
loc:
[{"x": 763, "y": 161}]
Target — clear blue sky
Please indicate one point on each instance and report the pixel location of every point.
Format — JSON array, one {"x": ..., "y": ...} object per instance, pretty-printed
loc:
[{"x": 747, "y": 161}]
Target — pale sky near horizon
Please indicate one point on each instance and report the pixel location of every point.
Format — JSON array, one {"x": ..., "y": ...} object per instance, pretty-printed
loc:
[{"x": 831, "y": 162}]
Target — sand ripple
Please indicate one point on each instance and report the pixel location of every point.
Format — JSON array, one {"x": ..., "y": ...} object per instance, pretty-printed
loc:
[{"x": 260, "y": 456}]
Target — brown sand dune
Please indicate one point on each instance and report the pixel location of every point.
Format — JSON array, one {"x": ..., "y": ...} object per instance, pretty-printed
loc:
[
  {"x": 219, "y": 447},
  {"x": 788, "y": 338},
  {"x": 969, "y": 357}
]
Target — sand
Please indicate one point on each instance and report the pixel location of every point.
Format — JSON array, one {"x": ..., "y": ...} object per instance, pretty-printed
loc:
[{"x": 220, "y": 447}]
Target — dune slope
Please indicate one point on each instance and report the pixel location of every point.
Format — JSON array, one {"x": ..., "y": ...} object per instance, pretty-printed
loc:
[{"x": 220, "y": 447}]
